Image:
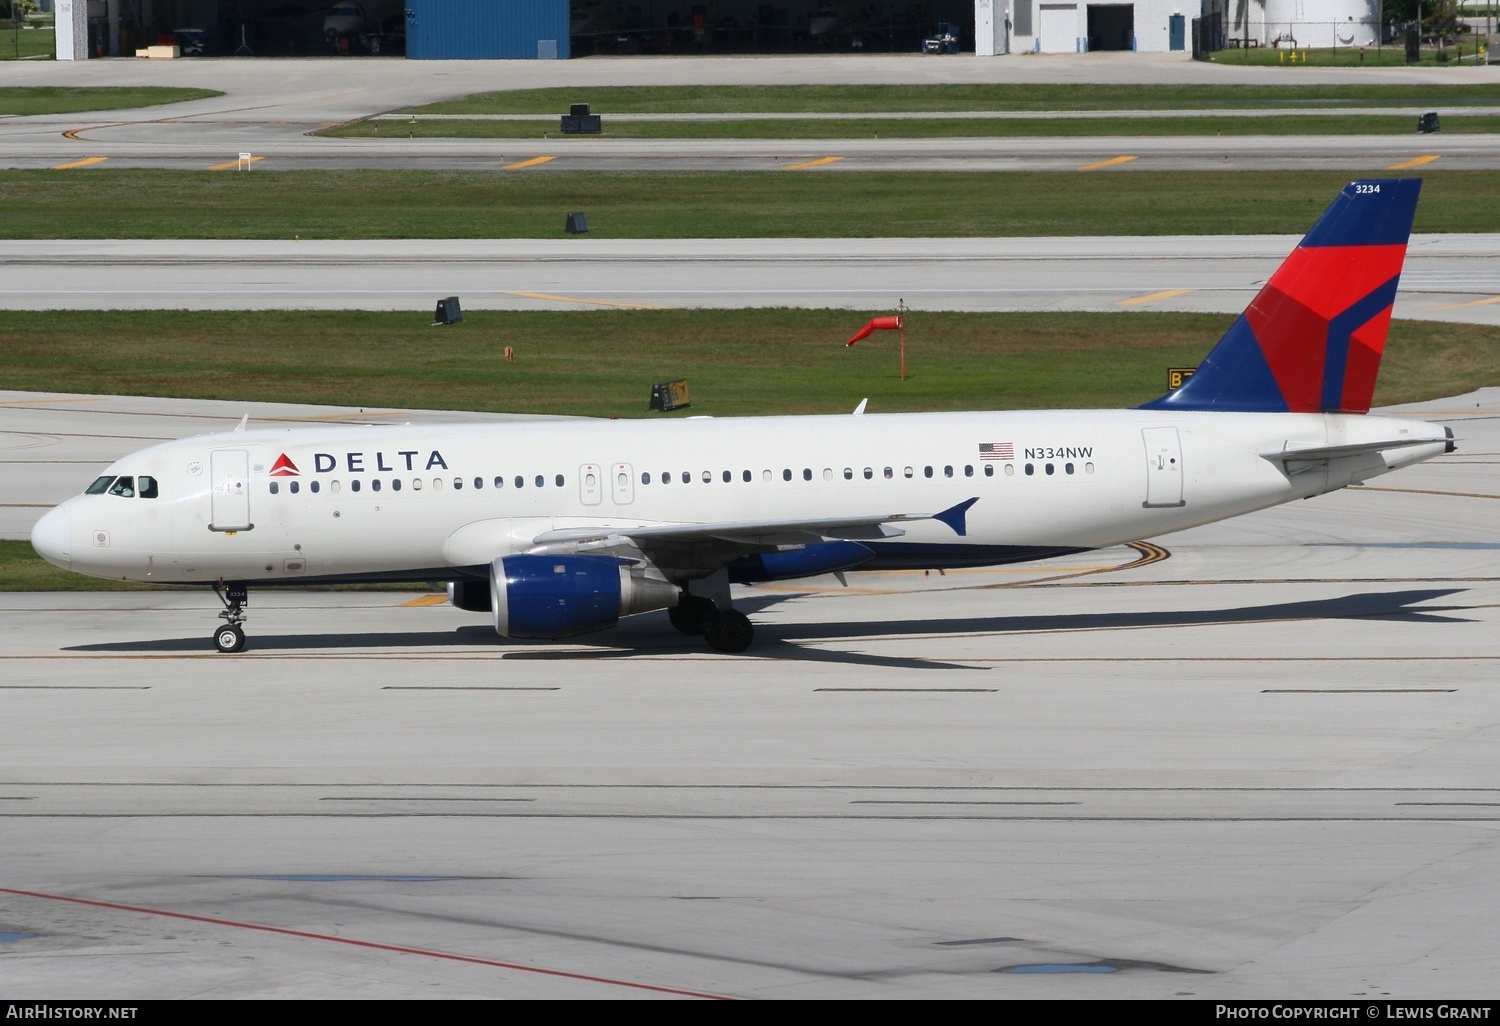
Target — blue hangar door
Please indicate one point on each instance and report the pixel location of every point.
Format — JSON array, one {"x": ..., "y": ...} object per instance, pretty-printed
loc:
[{"x": 487, "y": 29}]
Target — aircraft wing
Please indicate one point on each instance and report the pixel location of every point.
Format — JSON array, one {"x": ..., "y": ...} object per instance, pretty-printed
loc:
[{"x": 693, "y": 548}]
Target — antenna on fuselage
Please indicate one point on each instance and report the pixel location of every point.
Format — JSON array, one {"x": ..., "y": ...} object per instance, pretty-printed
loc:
[{"x": 244, "y": 421}]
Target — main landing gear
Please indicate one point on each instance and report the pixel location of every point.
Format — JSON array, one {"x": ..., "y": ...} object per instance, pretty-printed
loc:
[
  {"x": 725, "y": 630},
  {"x": 231, "y": 636}
]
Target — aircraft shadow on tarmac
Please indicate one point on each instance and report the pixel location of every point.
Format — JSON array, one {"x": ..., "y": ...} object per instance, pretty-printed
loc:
[{"x": 651, "y": 636}]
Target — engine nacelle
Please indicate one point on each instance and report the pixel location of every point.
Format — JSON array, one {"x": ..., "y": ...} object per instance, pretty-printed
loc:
[
  {"x": 558, "y": 596},
  {"x": 470, "y": 596}
]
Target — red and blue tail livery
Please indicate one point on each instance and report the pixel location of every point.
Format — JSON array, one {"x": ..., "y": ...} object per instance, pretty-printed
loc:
[{"x": 1311, "y": 340}]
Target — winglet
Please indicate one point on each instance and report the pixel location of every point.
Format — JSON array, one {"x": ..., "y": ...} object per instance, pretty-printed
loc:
[
  {"x": 860, "y": 409},
  {"x": 244, "y": 423},
  {"x": 954, "y": 516}
]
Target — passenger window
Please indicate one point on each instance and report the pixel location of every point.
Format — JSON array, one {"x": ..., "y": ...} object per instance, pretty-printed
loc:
[
  {"x": 687, "y": 478},
  {"x": 968, "y": 470},
  {"x": 1088, "y": 468},
  {"x": 334, "y": 487},
  {"x": 520, "y": 481},
  {"x": 869, "y": 473},
  {"x": 1010, "y": 470},
  {"x": 947, "y": 471},
  {"x": 926, "y": 471},
  {"x": 807, "y": 473},
  {"x": 559, "y": 480},
  {"x": 666, "y": 477},
  {"x": 354, "y": 485},
  {"x": 646, "y": 477},
  {"x": 293, "y": 487},
  {"x": 395, "y": 485},
  {"x": 1030, "y": 469},
  {"x": 312, "y": 486},
  {"x": 708, "y": 476},
  {"x": 375, "y": 485},
  {"x": 888, "y": 473},
  {"x": 499, "y": 481},
  {"x": 458, "y": 484},
  {"x": 437, "y": 484},
  {"x": 124, "y": 487},
  {"x": 848, "y": 473},
  {"x": 908, "y": 473},
  {"x": 1068, "y": 468},
  {"x": 1050, "y": 468},
  {"x": 99, "y": 487},
  {"x": 479, "y": 482},
  {"x": 827, "y": 473},
  {"x": 989, "y": 470},
  {"x": 746, "y": 476},
  {"x": 416, "y": 484},
  {"x": 728, "y": 477},
  {"x": 148, "y": 486},
  {"x": 540, "y": 481},
  {"x": 765, "y": 475},
  {"x": 275, "y": 487},
  {"x": 786, "y": 474}
]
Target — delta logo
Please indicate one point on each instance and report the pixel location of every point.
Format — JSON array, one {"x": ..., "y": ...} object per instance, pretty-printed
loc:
[{"x": 284, "y": 467}]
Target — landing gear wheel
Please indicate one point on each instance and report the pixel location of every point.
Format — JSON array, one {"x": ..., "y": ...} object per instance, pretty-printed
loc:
[
  {"x": 692, "y": 614},
  {"x": 729, "y": 631},
  {"x": 229, "y": 638}
]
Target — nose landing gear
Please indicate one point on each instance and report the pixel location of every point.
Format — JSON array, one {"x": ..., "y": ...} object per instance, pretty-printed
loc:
[{"x": 231, "y": 636}]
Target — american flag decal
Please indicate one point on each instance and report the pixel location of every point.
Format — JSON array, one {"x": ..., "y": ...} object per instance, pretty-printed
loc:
[{"x": 997, "y": 450}]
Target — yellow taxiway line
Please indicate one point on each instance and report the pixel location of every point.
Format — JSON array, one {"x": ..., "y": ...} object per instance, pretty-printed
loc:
[
  {"x": 85, "y": 162},
  {"x": 1111, "y": 162},
  {"x": 1414, "y": 162},
  {"x": 1152, "y": 297},
  {"x": 230, "y": 164},
  {"x": 533, "y": 162},
  {"x": 587, "y": 302},
  {"x": 812, "y": 163}
]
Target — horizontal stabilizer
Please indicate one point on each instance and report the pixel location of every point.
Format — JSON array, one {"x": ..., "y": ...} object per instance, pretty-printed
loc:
[{"x": 1320, "y": 453}]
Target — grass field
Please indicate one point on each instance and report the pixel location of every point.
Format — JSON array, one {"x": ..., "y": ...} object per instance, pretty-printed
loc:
[
  {"x": 769, "y": 204},
  {"x": 21, "y": 100},
  {"x": 26, "y": 43},
  {"x": 603, "y": 363}
]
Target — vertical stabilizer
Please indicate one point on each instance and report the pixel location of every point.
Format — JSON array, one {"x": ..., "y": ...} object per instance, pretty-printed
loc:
[{"x": 1311, "y": 340}]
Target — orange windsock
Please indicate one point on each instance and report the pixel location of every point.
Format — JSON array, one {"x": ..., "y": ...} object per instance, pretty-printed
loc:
[{"x": 877, "y": 324}]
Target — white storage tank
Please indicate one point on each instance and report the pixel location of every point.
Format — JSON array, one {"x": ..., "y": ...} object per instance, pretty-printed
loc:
[{"x": 1318, "y": 24}]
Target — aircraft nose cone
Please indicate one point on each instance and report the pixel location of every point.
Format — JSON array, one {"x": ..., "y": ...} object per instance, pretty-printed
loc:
[{"x": 52, "y": 537}]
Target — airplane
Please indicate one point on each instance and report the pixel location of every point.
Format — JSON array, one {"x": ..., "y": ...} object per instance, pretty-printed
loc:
[
  {"x": 350, "y": 18},
  {"x": 558, "y": 528}
]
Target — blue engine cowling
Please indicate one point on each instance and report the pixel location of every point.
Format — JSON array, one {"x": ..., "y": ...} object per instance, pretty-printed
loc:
[{"x": 558, "y": 596}]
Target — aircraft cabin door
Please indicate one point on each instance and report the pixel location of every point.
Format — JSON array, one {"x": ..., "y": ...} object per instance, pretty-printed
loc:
[
  {"x": 588, "y": 484},
  {"x": 229, "y": 474},
  {"x": 623, "y": 477},
  {"x": 1163, "y": 467}
]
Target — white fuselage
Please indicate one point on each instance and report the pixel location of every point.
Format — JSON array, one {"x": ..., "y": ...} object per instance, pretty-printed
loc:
[{"x": 424, "y": 502}]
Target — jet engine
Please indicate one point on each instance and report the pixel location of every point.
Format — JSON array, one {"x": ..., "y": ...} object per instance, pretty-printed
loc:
[{"x": 558, "y": 596}]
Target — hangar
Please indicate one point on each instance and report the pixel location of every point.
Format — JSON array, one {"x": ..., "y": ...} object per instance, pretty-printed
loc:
[{"x": 559, "y": 29}]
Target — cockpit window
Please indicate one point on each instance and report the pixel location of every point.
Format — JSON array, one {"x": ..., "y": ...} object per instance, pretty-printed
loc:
[
  {"x": 100, "y": 485},
  {"x": 124, "y": 487},
  {"x": 148, "y": 486}
]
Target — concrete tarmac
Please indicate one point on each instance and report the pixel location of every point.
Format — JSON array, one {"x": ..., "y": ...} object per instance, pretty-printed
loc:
[
  {"x": 1454, "y": 277},
  {"x": 1258, "y": 762}
]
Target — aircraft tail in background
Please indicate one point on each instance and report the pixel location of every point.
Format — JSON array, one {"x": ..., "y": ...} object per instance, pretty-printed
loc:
[{"x": 1311, "y": 340}]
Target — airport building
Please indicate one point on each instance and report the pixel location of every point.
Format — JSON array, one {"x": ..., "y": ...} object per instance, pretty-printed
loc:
[{"x": 559, "y": 29}]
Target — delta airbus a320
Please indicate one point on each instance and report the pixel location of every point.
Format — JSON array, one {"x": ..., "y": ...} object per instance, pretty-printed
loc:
[{"x": 556, "y": 528}]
